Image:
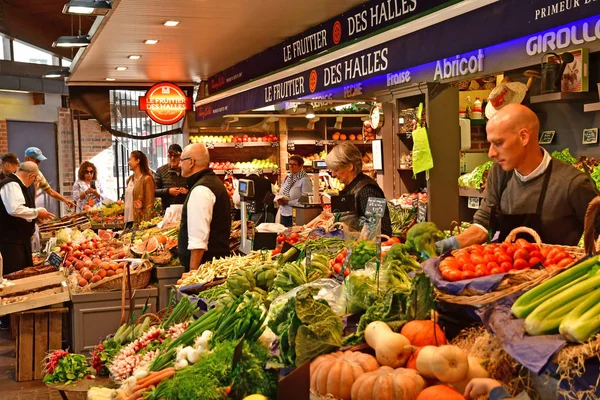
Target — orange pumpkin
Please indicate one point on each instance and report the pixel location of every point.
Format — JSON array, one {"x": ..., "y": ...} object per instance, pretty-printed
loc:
[
  {"x": 412, "y": 361},
  {"x": 335, "y": 373},
  {"x": 388, "y": 384},
  {"x": 424, "y": 333},
  {"x": 440, "y": 392}
]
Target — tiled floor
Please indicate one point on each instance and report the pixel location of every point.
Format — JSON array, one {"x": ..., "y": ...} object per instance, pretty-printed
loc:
[{"x": 11, "y": 390}]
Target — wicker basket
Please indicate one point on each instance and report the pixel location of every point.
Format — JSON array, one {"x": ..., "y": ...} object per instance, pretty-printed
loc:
[
  {"x": 517, "y": 281},
  {"x": 141, "y": 272}
]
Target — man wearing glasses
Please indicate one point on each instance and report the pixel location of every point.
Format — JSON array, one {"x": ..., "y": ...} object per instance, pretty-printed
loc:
[
  {"x": 170, "y": 185},
  {"x": 35, "y": 155}
]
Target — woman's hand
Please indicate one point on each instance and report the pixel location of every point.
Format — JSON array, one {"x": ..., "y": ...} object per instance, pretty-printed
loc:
[
  {"x": 283, "y": 201},
  {"x": 480, "y": 387}
]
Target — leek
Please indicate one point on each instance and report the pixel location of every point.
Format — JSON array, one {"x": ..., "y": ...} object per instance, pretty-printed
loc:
[
  {"x": 538, "y": 322},
  {"x": 529, "y": 301},
  {"x": 583, "y": 321}
]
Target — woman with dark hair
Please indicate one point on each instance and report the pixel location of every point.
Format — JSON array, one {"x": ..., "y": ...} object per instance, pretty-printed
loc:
[
  {"x": 296, "y": 183},
  {"x": 87, "y": 190},
  {"x": 139, "y": 194}
]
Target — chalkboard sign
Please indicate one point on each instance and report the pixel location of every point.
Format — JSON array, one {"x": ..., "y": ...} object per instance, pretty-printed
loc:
[
  {"x": 237, "y": 353},
  {"x": 473, "y": 203},
  {"x": 239, "y": 145},
  {"x": 547, "y": 137},
  {"x": 375, "y": 206},
  {"x": 590, "y": 136},
  {"x": 210, "y": 146},
  {"x": 291, "y": 146},
  {"x": 55, "y": 260}
]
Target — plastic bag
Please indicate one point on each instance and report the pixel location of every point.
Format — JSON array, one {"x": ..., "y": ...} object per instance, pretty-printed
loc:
[
  {"x": 172, "y": 217},
  {"x": 360, "y": 290},
  {"x": 329, "y": 290}
]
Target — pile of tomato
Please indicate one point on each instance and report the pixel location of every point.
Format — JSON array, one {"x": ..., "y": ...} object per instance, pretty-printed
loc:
[
  {"x": 292, "y": 238},
  {"x": 482, "y": 260},
  {"x": 337, "y": 263}
]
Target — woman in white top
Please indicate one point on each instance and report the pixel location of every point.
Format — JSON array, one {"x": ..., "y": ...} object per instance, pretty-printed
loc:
[{"x": 296, "y": 183}]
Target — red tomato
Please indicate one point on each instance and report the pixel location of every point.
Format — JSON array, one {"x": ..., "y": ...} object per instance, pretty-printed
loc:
[
  {"x": 504, "y": 258},
  {"x": 294, "y": 236},
  {"x": 511, "y": 251},
  {"x": 488, "y": 258},
  {"x": 564, "y": 262},
  {"x": 276, "y": 251},
  {"x": 446, "y": 275},
  {"x": 481, "y": 267},
  {"x": 533, "y": 261},
  {"x": 468, "y": 275},
  {"x": 395, "y": 239},
  {"x": 520, "y": 263},
  {"x": 496, "y": 271},
  {"x": 464, "y": 258},
  {"x": 522, "y": 254},
  {"x": 506, "y": 245},
  {"x": 454, "y": 276},
  {"x": 340, "y": 258},
  {"x": 559, "y": 256},
  {"x": 347, "y": 272},
  {"x": 506, "y": 266},
  {"x": 522, "y": 243},
  {"x": 468, "y": 267},
  {"x": 545, "y": 251},
  {"x": 489, "y": 250},
  {"x": 537, "y": 254},
  {"x": 337, "y": 267},
  {"x": 477, "y": 259},
  {"x": 492, "y": 264},
  {"x": 552, "y": 253},
  {"x": 477, "y": 247},
  {"x": 479, "y": 273}
]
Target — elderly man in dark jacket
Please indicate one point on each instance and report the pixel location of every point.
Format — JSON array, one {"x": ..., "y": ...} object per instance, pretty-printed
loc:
[{"x": 170, "y": 185}]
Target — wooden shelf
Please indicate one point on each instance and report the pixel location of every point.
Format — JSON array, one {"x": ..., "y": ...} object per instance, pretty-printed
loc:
[
  {"x": 467, "y": 192},
  {"x": 591, "y": 107},
  {"x": 561, "y": 97},
  {"x": 245, "y": 144},
  {"x": 244, "y": 171}
]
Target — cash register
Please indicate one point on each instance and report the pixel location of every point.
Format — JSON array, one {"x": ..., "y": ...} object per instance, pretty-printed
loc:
[{"x": 257, "y": 240}]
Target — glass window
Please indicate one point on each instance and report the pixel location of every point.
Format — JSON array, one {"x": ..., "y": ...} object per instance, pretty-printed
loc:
[
  {"x": 29, "y": 54},
  {"x": 4, "y": 48},
  {"x": 66, "y": 62}
]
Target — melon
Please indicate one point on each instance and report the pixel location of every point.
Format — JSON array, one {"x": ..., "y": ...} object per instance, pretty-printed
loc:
[
  {"x": 105, "y": 235},
  {"x": 149, "y": 247}
]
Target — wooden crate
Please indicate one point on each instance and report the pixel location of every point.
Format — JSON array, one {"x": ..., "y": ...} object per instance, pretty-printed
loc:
[
  {"x": 38, "y": 332},
  {"x": 55, "y": 291}
]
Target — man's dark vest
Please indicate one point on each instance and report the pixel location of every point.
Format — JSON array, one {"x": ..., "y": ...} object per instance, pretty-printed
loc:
[
  {"x": 220, "y": 225},
  {"x": 15, "y": 229}
]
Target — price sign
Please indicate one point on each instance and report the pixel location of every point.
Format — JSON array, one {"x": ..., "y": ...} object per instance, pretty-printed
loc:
[
  {"x": 291, "y": 146},
  {"x": 547, "y": 137},
  {"x": 274, "y": 144},
  {"x": 210, "y": 146},
  {"x": 228, "y": 172},
  {"x": 422, "y": 212},
  {"x": 276, "y": 171},
  {"x": 239, "y": 145},
  {"x": 318, "y": 143},
  {"x": 473, "y": 203},
  {"x": 259, "y": 171},
  {"x": 332, "y": 142},
  {"x": 375, "y": 206},
  {"x": 55, "y": 260},
  {"x": 590, "y": 136}
]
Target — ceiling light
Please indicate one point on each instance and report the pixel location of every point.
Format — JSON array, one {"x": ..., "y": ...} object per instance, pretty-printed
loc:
[
  {"x": 134, "y": 57},
  {"x": 13, "y": 91},
  {"x": 151, "y": 41},
  {"x": 338, "y": 123},
  {"x": 121, "y": 68},
  {"x": 72, "y": 41},
  {"x": 110, "y": 79},
  {"x": 171, "y": 23},
  {"x": 310, "y": 112},
  {"x": 57, "y": 73},
  {"x": 87, "y": 7}
]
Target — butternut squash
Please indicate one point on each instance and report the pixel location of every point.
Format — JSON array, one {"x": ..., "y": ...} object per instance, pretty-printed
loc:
[
  {"x": 476, "y": 370},
  {"x": 447, "y": 363},
  {"x": 391, "y": 348},
  {"x": 335, "y": 373},
  {"x": 388, "y": 384},
  {"x": 440, "y": 392}
]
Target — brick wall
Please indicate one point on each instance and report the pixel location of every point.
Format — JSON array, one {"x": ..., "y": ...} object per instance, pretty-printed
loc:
[
  {"x": 479, "y": 143},
  {"x": 3, "y": 138},
  {"x": 96, "y": 146}
]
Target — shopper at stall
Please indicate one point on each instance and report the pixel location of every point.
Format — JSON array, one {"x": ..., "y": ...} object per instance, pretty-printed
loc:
[
  {"x": 10, "y": 164},
  {"x": 527, "y": 187},
  {"x": 170, "y": 185},
  {"x": 87, "y": 190},
  {"x": 18, "y": 216},
  {"x": 35, "y": 155},
  {"x": 205, "y": 220},
  {"x": 262, "y": 199},
  {"x": 296, "y": 183},
  {"x": 139, "y": 194},
  {"x": 345, "y": 162}
]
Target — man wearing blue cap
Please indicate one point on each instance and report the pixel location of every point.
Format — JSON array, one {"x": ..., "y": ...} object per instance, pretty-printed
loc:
[{"x": 34, "y": 154}]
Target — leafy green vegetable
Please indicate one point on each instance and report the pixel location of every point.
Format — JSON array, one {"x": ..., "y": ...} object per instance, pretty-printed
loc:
[
  {"x": 564, "y": 155},
  {"x": 306, "y": 328},
  {"x": 476, "y": 178},
  {"x": 362, "y": 252},
  {"x": 389, "y": 309},
  {"x": 422, "y": 238},
  {"x": 208, "y": 378},
  {"x": 290, "y": 275},
  {"x": 360, "y": 289},
  {"x": 70, "y": 368},
  {"x": 401, "y": 218},
  {"x": 421, "y": 299},
  {"x": 595, "y": 175},
  {"x": 402, "y": 253}
]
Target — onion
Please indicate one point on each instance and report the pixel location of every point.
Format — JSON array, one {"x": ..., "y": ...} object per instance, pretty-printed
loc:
[
  {"x": 181, "y": 364},
  {"x": 193, "y": 356}
]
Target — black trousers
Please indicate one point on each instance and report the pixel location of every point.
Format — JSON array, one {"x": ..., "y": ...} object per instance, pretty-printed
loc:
[{"x": 15, "y": 256}]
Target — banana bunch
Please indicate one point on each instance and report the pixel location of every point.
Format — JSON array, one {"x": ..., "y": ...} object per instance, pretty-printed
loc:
[
  {"x": 241, "y": 281},
  {"x": 265, "y": 276},
  {"x": 319, "y": 267}
]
